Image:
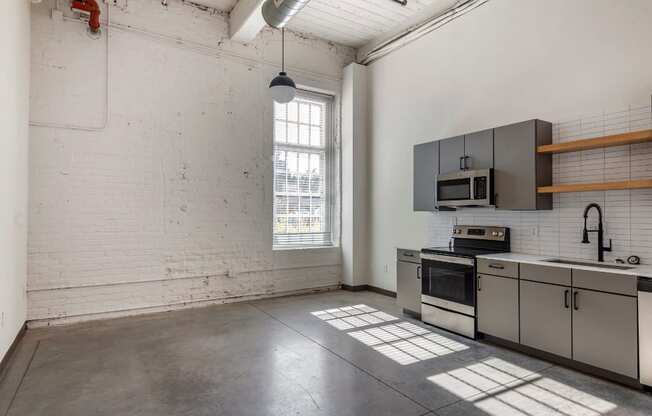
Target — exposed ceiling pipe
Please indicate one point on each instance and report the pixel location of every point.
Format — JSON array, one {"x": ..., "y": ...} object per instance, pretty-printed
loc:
[
  {"x": 461, "y": 7},
  {"x": 89, "y": 6},
  {"x": 277, "y": 13}
]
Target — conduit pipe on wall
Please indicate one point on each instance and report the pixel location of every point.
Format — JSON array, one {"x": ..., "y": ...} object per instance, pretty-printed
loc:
[
  {"x": 415, "y": 32},
  {"x": 277, "y": 13},
  {"x": 89, "y": 6}
]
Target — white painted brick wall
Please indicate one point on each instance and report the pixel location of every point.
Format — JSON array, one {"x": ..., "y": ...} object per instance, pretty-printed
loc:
[
  {"x": 171, "y": 203},
  {"x": 627, "y": 214}
]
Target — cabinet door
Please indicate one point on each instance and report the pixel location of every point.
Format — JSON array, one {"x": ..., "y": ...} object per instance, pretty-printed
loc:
[
  {"x": 546, "y": 317},
  {"x": 450, "y": 152},
  {"x": 497, "y": 302},
  {"x": 479, "y": 149},
  {"x": 408, "y": 286},
  {"x": 514, "y": 164},
  {"x": 605, "y": 331},
  {"x": 426, "y": 168}
]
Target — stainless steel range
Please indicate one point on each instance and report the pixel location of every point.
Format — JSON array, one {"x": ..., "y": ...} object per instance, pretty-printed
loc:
[{"x": 448, "y": 276}]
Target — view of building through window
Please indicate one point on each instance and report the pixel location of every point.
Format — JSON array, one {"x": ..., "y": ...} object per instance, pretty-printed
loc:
[{"x": 301, "y": 171}]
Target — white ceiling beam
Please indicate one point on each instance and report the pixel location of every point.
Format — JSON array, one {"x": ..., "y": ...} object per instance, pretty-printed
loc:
[{"x": 246, "y": 20}]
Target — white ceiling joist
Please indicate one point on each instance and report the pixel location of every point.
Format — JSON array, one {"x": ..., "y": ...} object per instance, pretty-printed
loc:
[{"x": 246, "y": 20}]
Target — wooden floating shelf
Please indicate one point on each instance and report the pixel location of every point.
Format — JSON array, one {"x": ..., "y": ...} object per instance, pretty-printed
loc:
[
  {"x": 606, "y": 186},
  {"x": 598, "y": 142}
]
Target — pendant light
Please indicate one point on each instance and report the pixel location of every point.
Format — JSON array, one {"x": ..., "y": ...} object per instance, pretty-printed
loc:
[{"x": 282, "y": 87}]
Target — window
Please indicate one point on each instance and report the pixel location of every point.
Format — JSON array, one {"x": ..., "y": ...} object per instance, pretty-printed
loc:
[{"x": 302, "y": 169}]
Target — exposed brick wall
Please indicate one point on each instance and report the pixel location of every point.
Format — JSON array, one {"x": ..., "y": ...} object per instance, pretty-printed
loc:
[{"x": 171, "y": 203}]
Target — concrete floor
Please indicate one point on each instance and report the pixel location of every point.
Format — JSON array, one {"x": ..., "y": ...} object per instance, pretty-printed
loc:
[{"x": 290, "y": 356}]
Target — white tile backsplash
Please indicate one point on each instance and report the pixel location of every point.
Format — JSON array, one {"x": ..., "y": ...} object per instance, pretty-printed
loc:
[{"x": 627, "y": 213}]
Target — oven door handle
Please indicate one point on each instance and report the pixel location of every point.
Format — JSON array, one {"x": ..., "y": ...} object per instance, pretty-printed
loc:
[{"x": 447, "y": 259}]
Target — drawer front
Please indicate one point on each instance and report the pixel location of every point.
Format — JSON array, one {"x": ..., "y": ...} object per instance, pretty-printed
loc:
[
  {"x": 605, "y": 282},
  {"x": 498, "y": 268},
  {"x": 411, "y": 256},
  {"x": 546, "y": 274}
]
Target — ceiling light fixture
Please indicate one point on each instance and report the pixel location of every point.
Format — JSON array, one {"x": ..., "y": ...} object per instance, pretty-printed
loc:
[{"x": 283, "y": 87}]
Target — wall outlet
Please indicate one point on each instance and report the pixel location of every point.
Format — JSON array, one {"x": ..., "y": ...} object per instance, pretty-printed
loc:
[{"x": 386, "y": 268}]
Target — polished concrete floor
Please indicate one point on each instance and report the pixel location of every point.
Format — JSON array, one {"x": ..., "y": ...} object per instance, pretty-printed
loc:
[{"x": 335, "y": 353}]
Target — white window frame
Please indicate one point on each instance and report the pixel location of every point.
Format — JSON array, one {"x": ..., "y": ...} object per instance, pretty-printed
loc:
[{"x": 291, "y": 240}]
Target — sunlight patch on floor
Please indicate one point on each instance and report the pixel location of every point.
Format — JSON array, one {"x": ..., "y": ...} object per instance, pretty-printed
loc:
[
  {"x": 407, "y": 343},
  {"x": 356, "y": 316},
  {"x": 500, "y": 388}
]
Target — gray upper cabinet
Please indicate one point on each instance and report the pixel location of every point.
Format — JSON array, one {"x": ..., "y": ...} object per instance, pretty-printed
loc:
[
  {"x": 519, "y": 170},
  {"x": 604, "y": 331},
  {"x": 498, "y": 306},
  {"x": 546, "y": 317},
  {"x": 426, "y": 169},
  {"x": 479, "y": 150},
  {"x": 451, "y": 153}
]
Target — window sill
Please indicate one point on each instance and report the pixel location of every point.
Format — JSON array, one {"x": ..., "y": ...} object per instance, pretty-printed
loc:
[{"x": 302, "y": 248}]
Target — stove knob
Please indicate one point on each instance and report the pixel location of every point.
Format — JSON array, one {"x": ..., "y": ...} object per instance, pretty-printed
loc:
[
  {"x": 495, "y": 233},
  {"x": 500, "y": 233}
]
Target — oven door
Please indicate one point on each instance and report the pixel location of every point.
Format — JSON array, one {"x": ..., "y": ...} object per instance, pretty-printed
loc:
[{"x": 448, "y": 282}]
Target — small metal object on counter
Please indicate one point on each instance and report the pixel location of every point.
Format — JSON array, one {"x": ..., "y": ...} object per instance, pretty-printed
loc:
[{"x": 634, "y": 260}]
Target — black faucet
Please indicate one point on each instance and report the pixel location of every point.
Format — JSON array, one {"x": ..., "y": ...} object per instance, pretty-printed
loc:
[{"x": 600, "y": 231}]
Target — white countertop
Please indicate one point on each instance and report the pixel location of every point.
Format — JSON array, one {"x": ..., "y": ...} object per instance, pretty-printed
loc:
[{"x": 645, "y": 271}]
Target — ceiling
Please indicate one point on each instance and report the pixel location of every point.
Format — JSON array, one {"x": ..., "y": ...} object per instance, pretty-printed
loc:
[
  {"x": 357, "y": 22},
  {"x": 351, "y": 22},
  {"x": 221, "y": 5}
]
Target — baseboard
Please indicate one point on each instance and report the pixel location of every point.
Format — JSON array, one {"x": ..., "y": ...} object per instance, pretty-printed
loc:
[
  {"x": 202, "y": 303},
  {"x": 4, "y": 363},
  {"x": 359, "y": 288},
  {"x": 369, "y": 288}
]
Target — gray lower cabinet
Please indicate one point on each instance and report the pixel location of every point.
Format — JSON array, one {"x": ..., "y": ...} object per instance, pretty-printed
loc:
[
  {"x": 426, "y": 169},
  {"x": 497, "y": 304},
  {"x": 451, "y": 153},
  {"x": 605, "y": 331},
  {"x": 546, "y": 317},
  {"x": 518, "y": 169},
  {"x": 479, "y": 150}
]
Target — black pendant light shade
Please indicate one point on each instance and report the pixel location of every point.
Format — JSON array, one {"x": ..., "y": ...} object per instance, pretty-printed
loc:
[{"x": 283, "y": 87}]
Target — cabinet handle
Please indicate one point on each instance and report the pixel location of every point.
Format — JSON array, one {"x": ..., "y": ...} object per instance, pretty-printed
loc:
[
  {"x": 418, "y": 272},
  {"x": 575, "y": 301},
  {"x": 461, "y": 162},
  {"x": 496, "y": 266},
  {"x": 465, "y": 165},
  {"x": 479, "y": 283},
  {"x": 566, "y": 293}
]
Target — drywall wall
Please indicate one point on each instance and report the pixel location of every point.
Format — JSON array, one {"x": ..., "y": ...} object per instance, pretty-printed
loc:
[
  {"x": 14, "y": 114},
  {"x": 507, "y": 61},
  {"x": 170, "y": 205},
  {"x": 354, "y": 175}
]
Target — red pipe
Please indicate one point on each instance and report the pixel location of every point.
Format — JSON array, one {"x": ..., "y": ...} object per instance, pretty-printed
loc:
[{"x": 91, "y": 7}]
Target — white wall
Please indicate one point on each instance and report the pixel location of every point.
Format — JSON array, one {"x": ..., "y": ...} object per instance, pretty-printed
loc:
[
  {"x": 355, "y": 113},
  {"x": 170, "y": 204},
  {"x": 14, "y": 113},
  {"x": 507, "y": 61}
]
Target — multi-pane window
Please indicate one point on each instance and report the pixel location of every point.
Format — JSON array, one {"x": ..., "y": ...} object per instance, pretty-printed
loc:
[{"x": 302, "y": 156}]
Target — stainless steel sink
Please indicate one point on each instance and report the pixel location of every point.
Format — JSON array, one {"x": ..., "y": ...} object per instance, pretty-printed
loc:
[{"x": 586, "y": 263}]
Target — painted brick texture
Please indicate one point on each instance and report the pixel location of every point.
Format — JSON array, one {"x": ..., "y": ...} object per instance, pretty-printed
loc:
[{"x": 170, "y": 204}]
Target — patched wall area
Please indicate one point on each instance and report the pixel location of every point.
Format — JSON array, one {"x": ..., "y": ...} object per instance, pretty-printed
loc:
[{"x": 170, "y": 204}]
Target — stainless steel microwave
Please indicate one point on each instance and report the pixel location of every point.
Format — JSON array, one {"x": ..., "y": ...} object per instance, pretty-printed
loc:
[{"x": 465, "y": 188}]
